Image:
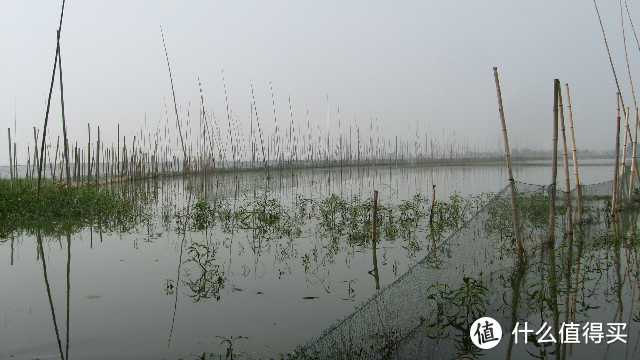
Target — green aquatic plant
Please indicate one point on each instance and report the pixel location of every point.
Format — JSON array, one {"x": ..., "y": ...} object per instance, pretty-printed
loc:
[
  {"x": 60, "y": 209},
  {"x": 208, "y": 278},
  {"x": 456, "y": 309}
]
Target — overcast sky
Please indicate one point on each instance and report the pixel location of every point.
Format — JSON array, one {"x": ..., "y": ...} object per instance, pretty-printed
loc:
[{"x": 400, "y": 62}]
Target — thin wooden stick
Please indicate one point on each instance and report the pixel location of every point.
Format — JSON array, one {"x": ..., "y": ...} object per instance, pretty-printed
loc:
[{"x": 512, "y": 188}]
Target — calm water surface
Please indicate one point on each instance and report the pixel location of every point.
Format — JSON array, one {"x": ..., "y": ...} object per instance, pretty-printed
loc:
[{"x": 130, "y": 294}]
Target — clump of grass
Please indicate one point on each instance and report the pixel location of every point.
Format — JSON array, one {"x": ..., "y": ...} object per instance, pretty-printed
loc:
[{"x": 61, "y": 209}]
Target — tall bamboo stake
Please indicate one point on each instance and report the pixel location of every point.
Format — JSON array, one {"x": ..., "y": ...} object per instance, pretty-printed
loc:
[
  {"x": 554, "y": 166},
  {"x": 575, "y": 157},
  {"x": 617, "y": 149},
  {"x": 46, "y": 118},
  {"x": 10, "y": 157},
  {"x": 624, "y": 144},
  {"x": 512, "y": 188},
  {"x": 89, "y": 153},
  {"x": 64, "y": 122},
  {"x": 565, "y": 160},
  {"x": 634, "y": 164},
  {"x": 175, "y": 106},
  {"x": 55, "y": 160},
  {"x": 98, "y": 157}
]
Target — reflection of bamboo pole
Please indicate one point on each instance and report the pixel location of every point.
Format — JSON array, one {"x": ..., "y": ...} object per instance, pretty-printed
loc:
[
  {"x": 554, "y": 165},
  {"x": 12, "y": 248},
  {"x": 46, "y": 281},
  {"x": 374, "y": 222},
  {"x": 516, "y": 282},
  {"x": 553, "y": 293},
  {"x": 565, "y": 160},
  {"x": 512, "y": 186},
  {"x": 617, "y": 149},
  {"x": 575, "y": 281},
  {"x": 68, "y": 290},
  {"x": 575, "y": 157}
]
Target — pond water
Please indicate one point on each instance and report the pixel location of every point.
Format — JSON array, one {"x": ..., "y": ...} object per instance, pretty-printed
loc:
[{"x": 165, "y": 290}]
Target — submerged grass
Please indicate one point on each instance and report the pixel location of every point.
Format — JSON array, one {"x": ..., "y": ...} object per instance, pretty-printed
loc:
[{"x": 61, "y": 209}]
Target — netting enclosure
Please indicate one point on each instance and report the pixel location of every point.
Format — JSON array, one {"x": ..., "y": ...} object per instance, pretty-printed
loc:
[{"x": 482, "y": 249}]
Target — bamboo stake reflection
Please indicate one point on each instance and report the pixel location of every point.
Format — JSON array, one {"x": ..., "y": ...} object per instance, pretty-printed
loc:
[
  {"x": 46, "y": 281},
  {"x": 374, "y": 221},
  {"x": 553, "y": 293},
  {"x": 68, "y": 290},
  {"x": 516, "y": 282}
]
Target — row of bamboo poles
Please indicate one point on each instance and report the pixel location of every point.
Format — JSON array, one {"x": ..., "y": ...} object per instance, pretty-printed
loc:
[
  {"x": 152, "y": 153},
  {"x": 558, "y": 114},
  {"x": 145, "y": 157}
]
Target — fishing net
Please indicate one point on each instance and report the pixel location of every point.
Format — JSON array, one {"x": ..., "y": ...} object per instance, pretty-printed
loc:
[{"x": 484, "y": 249}]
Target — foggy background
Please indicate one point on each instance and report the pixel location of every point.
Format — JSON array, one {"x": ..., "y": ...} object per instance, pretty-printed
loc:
[{"x": 406, "y": 64}]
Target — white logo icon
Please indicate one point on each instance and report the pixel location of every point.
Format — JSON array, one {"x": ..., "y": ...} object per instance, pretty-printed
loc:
[{"x": 485, "y": 333}]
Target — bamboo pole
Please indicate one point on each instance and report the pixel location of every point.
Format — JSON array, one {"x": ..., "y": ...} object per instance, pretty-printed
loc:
[
  {"x": 617, "y": 149},
  {"x": 624, "y": 144},
  {"x": 554, "y": 166},
  {"x": 55, "y": 160},
  {"x": 175, "y": 106},
  {"x": 634, "y": 164},
  {"x": 89, "y": 153},
  {"x": 64, "y": 122},
  {"x": 98, "y": 157},
  {"x": 512, "y": 189},
  {"x": 565, "y": 160},
  {"x": 575, "y": 157},
  {"x": 433, "y": 202},
  {"x": 10, "y": 157},
  {"x": 53, "y": 74}
]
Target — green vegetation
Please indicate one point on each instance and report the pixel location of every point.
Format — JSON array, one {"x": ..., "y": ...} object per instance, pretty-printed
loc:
[{"x": 61, "y": 209}]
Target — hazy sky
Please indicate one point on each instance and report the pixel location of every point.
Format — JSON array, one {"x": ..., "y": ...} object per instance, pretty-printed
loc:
[{"x": 400, "y": 62}]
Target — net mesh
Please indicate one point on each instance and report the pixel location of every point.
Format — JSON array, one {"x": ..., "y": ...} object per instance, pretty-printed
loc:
[{"x": 483, "y": 248}]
